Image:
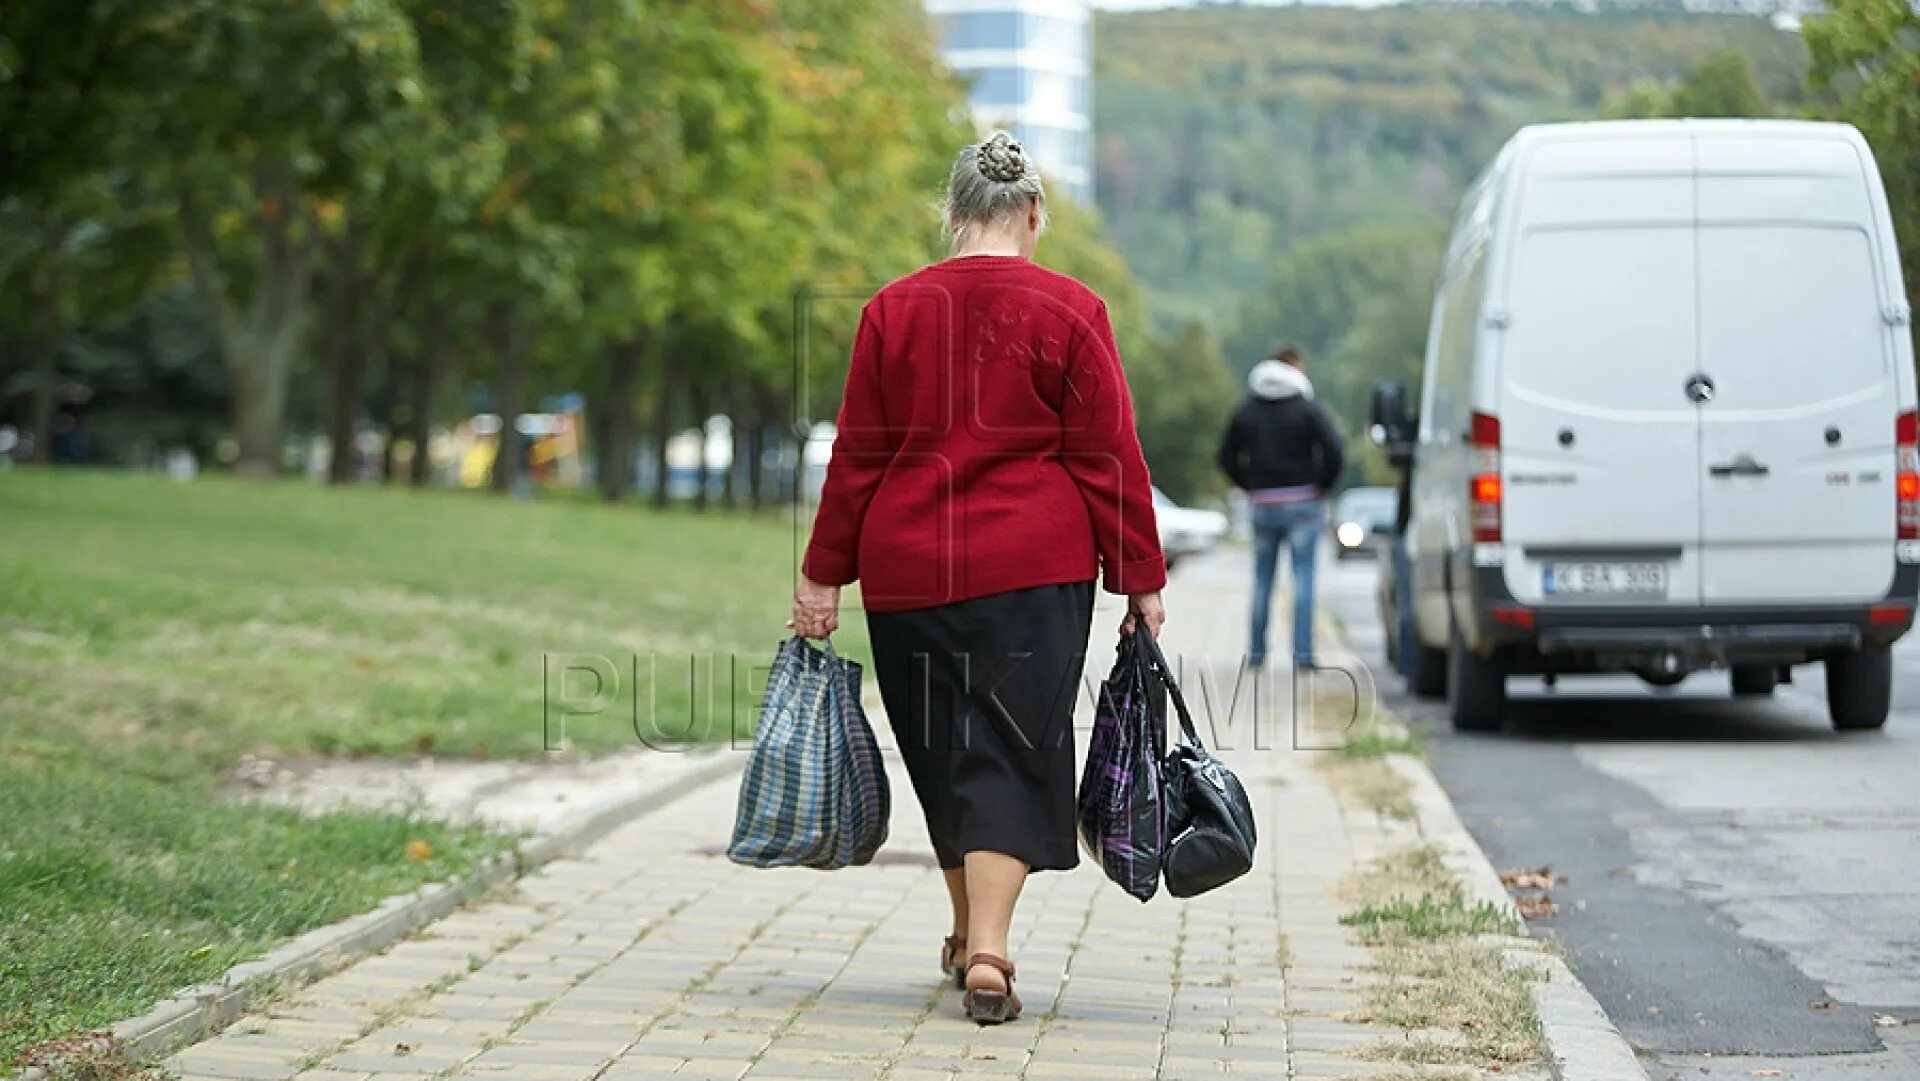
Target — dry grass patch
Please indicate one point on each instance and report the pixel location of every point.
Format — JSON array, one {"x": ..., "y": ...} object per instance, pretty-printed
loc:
[
  {"x": 1370, "y": 783},
  {"x": 1459, "y": 996},
  {"x": 1401, "y": 875},
  {"x": 1440, "y": 979}
]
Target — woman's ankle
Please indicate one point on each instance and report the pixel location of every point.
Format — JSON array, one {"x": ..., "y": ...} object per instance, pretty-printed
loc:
[{"x": 984, "y": 977}]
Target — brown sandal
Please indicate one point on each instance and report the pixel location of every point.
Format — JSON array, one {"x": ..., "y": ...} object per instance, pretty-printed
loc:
[
  {"x": 991, "y": 1007},
  {"x": 951, "y": 952}
]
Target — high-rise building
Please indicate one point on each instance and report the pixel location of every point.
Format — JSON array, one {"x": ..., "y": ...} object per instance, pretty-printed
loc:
[{"x": 1029, "y": 64}]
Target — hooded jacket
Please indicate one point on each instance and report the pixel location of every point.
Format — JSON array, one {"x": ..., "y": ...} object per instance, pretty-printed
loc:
[{"x": 1279, "y": 437}]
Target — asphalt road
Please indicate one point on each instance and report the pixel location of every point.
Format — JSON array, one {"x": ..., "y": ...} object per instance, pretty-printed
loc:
[{"x": 1743, "y": 884}]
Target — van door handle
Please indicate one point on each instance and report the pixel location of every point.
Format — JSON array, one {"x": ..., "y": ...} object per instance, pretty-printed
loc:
[{"x": 1742, "y": 466}]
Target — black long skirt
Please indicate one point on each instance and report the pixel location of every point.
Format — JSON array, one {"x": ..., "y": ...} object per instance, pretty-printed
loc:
[{"x": 980, "y": 695}]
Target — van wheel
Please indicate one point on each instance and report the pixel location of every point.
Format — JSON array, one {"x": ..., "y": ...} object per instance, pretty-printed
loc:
[
  {"x": 1859, "y": 688},
  {"x": 1427, "y": 675},
  {"x": 1754, "y": 679},
  {"x": 1476, "y": 689}
]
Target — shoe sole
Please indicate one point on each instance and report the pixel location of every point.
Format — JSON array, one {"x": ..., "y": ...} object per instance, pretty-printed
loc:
[{"x": 990, "y": 1008}]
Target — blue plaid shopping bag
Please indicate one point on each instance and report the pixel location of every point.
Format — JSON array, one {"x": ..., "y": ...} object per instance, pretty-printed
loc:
[{"x": 814, "y": 793}]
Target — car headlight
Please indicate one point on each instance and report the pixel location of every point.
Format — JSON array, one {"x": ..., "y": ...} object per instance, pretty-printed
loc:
[{"x": 1350, "y": 534}]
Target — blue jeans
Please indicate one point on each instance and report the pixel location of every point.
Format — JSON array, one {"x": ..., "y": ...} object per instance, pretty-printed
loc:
[{"x": 1297, "y": 525}]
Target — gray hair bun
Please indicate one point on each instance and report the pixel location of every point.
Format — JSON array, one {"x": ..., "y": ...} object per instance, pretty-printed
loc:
[{"x": 1003, "y": 159}]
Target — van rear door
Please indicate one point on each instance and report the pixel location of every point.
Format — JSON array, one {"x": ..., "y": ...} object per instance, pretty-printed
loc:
[
  {"x": 1599, "y": 445},
  {"x": 1797, "y": 439}
]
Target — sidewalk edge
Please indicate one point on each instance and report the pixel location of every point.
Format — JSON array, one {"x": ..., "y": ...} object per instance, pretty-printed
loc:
[
  {"x": 1582, "y": 1044},
  {"x": 197, "y": 1012}
]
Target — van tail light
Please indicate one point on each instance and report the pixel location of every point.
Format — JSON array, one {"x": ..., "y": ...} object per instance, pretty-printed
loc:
[
  {"x": 1886, "y": 615},
  {"x": 1513, "y": 616},
  {"x": 1483, "y": 487},
  {"x": 1906, "y": 474}
]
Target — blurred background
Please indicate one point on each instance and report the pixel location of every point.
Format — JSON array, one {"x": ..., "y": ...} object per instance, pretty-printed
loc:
[{"x": 343, "y": 241}]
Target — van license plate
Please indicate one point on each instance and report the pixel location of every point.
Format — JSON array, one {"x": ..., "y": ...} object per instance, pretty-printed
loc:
[{"x": 1604, "y": 579}]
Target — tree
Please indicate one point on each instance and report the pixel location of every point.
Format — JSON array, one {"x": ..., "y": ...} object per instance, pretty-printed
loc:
[
  {"x": 1355, "y": 303},
  {"x": 1722, "y": 85},
  {"x": 259, "y": 116},
  {"x": 1866, "y": 61},
  {"x": 1182, "y": 401}
]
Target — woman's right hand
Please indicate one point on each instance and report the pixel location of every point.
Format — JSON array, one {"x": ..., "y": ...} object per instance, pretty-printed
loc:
[
  {"x": 816, "y": 609},
  {"x": 1147, "y": 607}
]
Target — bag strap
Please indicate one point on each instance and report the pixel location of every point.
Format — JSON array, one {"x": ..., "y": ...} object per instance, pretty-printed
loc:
[{"x": 1143, "y": 640}]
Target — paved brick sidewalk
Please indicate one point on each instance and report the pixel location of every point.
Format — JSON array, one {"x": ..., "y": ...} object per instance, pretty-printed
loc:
[{"x": 652, "y": 957}]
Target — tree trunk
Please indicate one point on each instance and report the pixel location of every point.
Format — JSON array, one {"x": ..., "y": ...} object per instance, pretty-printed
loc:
[
  {"x": 765, "y": 410},
  {"x": 45, "y": 376},
  {"x": 509, "y": 392},
  {"x": 348, "y": 353},
  {"x": 426, "y": 379},
  {"x": 702, "y": 409},
  {"x": 260, "y": 342},
  {"x": 45, "y": 348},
  {"x": 259, "y": 369},
  {"x": 737, "y": 436},
  {"x": 784, "y": 440},
  {"x": 616, "y": 447},
  {"x": 389, "y": 409},
  {"x": 666, "y": 385}
]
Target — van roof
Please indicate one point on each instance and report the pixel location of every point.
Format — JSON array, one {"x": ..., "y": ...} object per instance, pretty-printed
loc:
[
  {"x": 1597, "y": 130},
  {"x": 1648, "y": 148}
]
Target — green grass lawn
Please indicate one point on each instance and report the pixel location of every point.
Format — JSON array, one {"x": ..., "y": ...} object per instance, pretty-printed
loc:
[{"x": 152, "y": 631}]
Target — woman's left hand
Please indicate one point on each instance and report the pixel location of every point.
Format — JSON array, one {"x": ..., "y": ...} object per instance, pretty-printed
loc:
[{"x": 816, "y": 609}]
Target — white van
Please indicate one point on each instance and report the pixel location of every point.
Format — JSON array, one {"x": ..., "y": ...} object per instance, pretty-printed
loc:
[{"x": 1667, "y": 418}]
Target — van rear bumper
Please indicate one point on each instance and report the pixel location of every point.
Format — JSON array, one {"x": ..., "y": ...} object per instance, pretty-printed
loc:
[
  {"x": 1701, "y": 635},
  {"x": 1708, "y": 644}
]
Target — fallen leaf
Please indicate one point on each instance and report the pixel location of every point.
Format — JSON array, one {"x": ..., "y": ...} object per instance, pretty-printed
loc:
[
  {"x": 1536, "y": 879},
  {"x": 1536, "y": 907},
  {"x": 419, "y": 851}
]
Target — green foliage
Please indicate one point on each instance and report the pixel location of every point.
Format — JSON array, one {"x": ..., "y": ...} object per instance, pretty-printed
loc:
[
  {"x": 1355, "y": 302},
  {"x": 1281, "y": 122},
  {"x": 1378, "y": 741},
  {"x": 1722, "y": 85},
  {"x": 1427, "y": 917},
  {"x": 1182, "y": 401},
  {"x": 601, "y": 174},
  {"x": 1866, "y": 69}
]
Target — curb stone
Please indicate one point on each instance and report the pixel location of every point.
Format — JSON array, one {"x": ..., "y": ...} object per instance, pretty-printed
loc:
[
  {"x": 198, "y": 1011},
  {"x": 1582, "y": 1044}
]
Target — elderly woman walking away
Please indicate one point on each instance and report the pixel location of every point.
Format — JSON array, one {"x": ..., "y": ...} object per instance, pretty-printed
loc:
[{"x": 985, "y": 472}]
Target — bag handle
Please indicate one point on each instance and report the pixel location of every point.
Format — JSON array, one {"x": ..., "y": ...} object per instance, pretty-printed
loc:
[{"x": 1143, "y": 640}]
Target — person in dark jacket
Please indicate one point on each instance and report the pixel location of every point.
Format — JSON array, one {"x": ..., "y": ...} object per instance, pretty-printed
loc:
[{"x": 1282, "y": 450}]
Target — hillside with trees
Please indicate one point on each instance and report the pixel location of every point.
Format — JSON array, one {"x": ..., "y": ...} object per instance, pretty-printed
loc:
[
  {"x": 1226, "y": 133},
  {"x": 1288, "y": 172}
]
